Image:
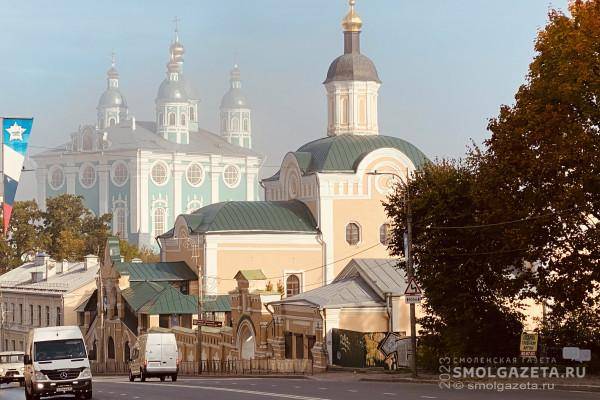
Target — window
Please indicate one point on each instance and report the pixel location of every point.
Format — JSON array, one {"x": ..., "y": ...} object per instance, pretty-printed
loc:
[
  {"x": 47, "y": 315},
  {"x": 21, "y": 314},
  {"x": 87, "y": 175},
  {"x": 182, "y": 120},
  {"x": 159, "y": 221},
  {"x": 112, "y": 122},
  {"x": 39, "y": 313},
  {"x": 119, "y": 173},
  {"x": 111, "y": 348},
  {"x": 292, "y": 285},
  {"x": 245, "y": 125},
  {"x": 352, "y": 233},
  {"x": 58, "y": 316},
  {"x": 231, "y": 176},
  {"x": 344, "y": 110},
  {"x": 385, "y": 232},
  {"x": 163, "y": 320},
  {"x": 194, "y": 174},
  {"x": 224, "y": 124},
  {"x": 56, "y": 178},
  {"x": 12, "y": 311},
  {"x": 299, "y": 346},
  {"x": 120, "y": 222},
  {"x": 87, "y": 143},
  {"x": 159, "y": 173},
  {"x": 235, "y": 124},
  {"x": 171, "y": 119},
  {"x": 288, "y": 345},
  {"x": 31, "y": 314},
  {"x": 192, "y": 114},
  {"x": 362, "y": 110}
]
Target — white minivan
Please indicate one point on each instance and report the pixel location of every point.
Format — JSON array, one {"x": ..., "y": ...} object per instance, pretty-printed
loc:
[
  {"x": 154, "y": 355},
  {"x": 11, "y": 367},
  {"x": 56, "y": 363}
]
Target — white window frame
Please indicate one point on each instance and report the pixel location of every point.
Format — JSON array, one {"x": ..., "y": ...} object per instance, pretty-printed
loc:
[
  {"x": 167, "y": 169},
  {"x": 113, "y": 168},
  {"x": 202, "y": 169},
  {"x": 163, "y": 207},
  {"x": 121, "y": 206},
  {"x": 51, "y": 172},
  {"x": 239, "y": 172},
  {"x": 82, "y": 168},
  {"x": 360, "y": 233},
  {"x": 298, "y": 273}
]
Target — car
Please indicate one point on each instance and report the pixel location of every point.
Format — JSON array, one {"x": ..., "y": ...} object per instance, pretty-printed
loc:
[
  {"x": 154, "y": 355},
  {"x": 12, "y": 367},
  {"x": 56, "y": 363}
]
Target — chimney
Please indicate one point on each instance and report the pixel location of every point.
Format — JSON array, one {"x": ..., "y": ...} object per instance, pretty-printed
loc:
[
  {"x": 89, "y": 261},
  {"x": 136, "y": 260},
  {"x": 41, "y": 259},
  {"x": 62, "y": 266}
]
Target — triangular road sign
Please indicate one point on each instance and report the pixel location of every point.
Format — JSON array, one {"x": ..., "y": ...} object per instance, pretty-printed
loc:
[{"x": 412, "y": 289}]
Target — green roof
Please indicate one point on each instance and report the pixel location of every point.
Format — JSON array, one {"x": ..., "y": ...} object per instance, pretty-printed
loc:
[
  {"x": 250, "y": 275},
  {"x": 251, "y": 216},
  {"x": 171, "y": 301},
  {"x": 157, "y": 272},
  {"x": 139, "y": 293},
  {"x": 343, "y": 153},
  {"x": 220, "y": 304}
]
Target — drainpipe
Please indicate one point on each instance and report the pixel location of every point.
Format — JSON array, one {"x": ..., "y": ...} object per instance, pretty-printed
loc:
[{"x": 388, "y": 309}]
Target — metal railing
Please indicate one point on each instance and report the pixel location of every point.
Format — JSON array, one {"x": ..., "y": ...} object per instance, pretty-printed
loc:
[{"x": 220, "y": 367}]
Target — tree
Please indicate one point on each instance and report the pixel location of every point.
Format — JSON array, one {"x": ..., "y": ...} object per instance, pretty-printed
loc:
[
  {"x": 66, "y": 220},
  {"x": 470, "y": 283},
  {"x": 130, "y": 251},
  {"x": 542, "y": 164},
  {"x": 24, "y": 235}
]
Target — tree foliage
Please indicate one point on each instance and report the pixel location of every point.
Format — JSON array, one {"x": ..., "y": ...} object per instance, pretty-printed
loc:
[
  {"x": 24, "y": 235},
  {"x": 130, "y": 251}
]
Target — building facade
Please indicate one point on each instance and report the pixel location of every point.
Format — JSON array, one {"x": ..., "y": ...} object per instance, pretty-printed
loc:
[
  {"x": 146, "y": 173},
  {"x": 42, "y": 293}
]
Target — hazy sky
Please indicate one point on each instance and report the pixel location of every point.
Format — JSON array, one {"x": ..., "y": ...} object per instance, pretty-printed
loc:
[{"x": 446, "y": 66}]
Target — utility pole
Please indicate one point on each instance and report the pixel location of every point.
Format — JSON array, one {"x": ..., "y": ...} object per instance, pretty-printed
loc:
[{"x": 410, "y": 273}]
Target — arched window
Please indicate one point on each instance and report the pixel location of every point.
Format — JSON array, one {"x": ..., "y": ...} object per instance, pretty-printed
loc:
[
  {"x": 127, "y": 352},
  {"x": 92, "y": 353},
  {"x": 224, "y": 124},
  {"x": 87, "y": 143},
  {"x": 352, "y": 233},
  {"x": 159, "y": 217},
  {"x": 192, "y": 114},
  {"x": 171, "y": 119},
  {"x": 245, "y": 125},
  {"x": 182, "y": 120},
  {"x": 385, "y": 232},
  {"x": 362, "y": 110},
  {"x": 344, "y": 110},
  {"x": 111, "y": 348},
  {"x": 120, "y": 223},
  {"x": 235, "y": 124},
  {"x": 112, "y": 122},
  {"x": 292, "y": 285}
]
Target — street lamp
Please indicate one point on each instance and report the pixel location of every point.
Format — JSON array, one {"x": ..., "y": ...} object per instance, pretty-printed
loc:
[{"x": 409, "y": 264}]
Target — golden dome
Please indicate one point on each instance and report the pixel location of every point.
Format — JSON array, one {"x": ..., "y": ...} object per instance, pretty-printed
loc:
[{"x": 352, "y": 22}]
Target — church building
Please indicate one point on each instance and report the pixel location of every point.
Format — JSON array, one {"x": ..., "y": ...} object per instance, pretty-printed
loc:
[{"x": 146, "y": 173}]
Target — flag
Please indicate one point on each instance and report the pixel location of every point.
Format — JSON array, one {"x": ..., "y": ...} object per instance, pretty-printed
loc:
[{"x": 15, "y": 138}]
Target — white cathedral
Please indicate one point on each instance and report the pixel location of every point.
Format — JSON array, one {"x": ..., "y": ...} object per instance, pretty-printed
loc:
[{"x": 146, "y": 173}]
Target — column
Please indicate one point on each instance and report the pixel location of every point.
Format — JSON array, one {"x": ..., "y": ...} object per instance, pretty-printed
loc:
[
  {"x": 134, "y": 200},
  {"x": 71, "y": 174},
  {"x": 215, "y": 175},
  {"x": 251, "y": 173},
  {"x": 41, "y": 176},
  {"x": 178, "y": 171},
  {"x": 143, "y": 199},
  {"x": 103, "y": 171}
]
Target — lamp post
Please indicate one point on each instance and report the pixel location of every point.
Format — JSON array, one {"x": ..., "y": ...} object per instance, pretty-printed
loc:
[{"x": 409, "y": 264}]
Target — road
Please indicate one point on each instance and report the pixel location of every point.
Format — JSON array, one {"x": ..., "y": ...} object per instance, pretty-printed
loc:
[{"x": 110, "y": 388}]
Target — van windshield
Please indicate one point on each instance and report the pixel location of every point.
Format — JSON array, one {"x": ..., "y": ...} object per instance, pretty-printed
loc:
[
  {"x": 59, "y": 350},
  {"x": 11, "y": 359}
]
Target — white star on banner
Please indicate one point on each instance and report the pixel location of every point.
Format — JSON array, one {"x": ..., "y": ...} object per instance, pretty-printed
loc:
[{"x": 16, "y": 132}]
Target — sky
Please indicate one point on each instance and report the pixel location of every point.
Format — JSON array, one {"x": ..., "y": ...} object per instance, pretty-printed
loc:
[{"x": 446, "y": 66}]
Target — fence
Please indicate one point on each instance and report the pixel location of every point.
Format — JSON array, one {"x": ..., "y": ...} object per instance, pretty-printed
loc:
[{"x": 224, "y": 367}]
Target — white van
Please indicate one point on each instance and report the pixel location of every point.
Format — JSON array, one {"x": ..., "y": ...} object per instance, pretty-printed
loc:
[
  {"x": 154, "y": 355},
  {"x": 11, "y": 367},
  {"x": 56, "y": 363}
]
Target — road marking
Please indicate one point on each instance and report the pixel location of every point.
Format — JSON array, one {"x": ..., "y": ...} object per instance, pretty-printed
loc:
[
  {"x": 123, "y": 394},
  {"x": 224, "y": 389},
  {"x": 353, "y": 390},
  {"x": 390, "y": 394},
  {"x": 323, "y": 388},
  {"x": 296, "y": 387},
  {"x": 428, "y": 397}
]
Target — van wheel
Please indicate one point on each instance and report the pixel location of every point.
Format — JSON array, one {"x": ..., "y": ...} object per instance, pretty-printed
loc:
[
  {"x": 142, "y": 376},
  {"x": 162, "y": 378},
  {"x": 174, "y": 378},
  {"x": 131, "y": 377}
]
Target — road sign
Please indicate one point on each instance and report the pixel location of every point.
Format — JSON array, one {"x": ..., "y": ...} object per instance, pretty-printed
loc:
[
  {"x": 413, "y": 288},
  {"x": 208, "y": 322},
  {"x": 529, "y": 344},
  {"x": 413, "y": 299}
]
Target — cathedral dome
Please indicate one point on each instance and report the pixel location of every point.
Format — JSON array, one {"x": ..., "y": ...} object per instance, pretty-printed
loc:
[
  {"x": 234, "y": 98},
  {"x": 352, "y": 67},
  {"x": 171, "y": 90},
  {"x": 112, "y": 97}
]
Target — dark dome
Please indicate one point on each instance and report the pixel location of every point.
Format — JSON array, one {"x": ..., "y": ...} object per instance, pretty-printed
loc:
[
  {"x": 112, "y": 97},
  {"x": 234, "y": 98},
  {"x": 352, "y": 67},
  {"x": 172, "y": 91}
]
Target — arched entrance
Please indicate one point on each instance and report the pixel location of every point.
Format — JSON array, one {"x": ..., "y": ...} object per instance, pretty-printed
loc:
[
  {"x": 246, "y": 341},
  {"x": 126, "y": 353},
  {"x": 111, "y": 348}
]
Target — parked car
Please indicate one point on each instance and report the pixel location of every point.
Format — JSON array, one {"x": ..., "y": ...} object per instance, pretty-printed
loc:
[
  {"x": 56, "y": 363},
  {"x": 12, "y": 367},
  {"x": 154, "y": 355}
]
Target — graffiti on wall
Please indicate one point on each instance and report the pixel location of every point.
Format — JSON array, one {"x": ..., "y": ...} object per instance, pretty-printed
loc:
[{"x": 361, "y": 350}]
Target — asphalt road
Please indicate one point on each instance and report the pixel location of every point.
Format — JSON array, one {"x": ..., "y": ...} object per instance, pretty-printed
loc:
[{"x": 111, "y": 388}]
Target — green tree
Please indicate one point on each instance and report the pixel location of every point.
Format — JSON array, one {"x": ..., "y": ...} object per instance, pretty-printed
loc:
[
  {"x": 130, "y": 251},
  {"x": 542, "y": 164},
  {"x": 24, "y": 235},
  {"x": 469, "y": 281}
]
